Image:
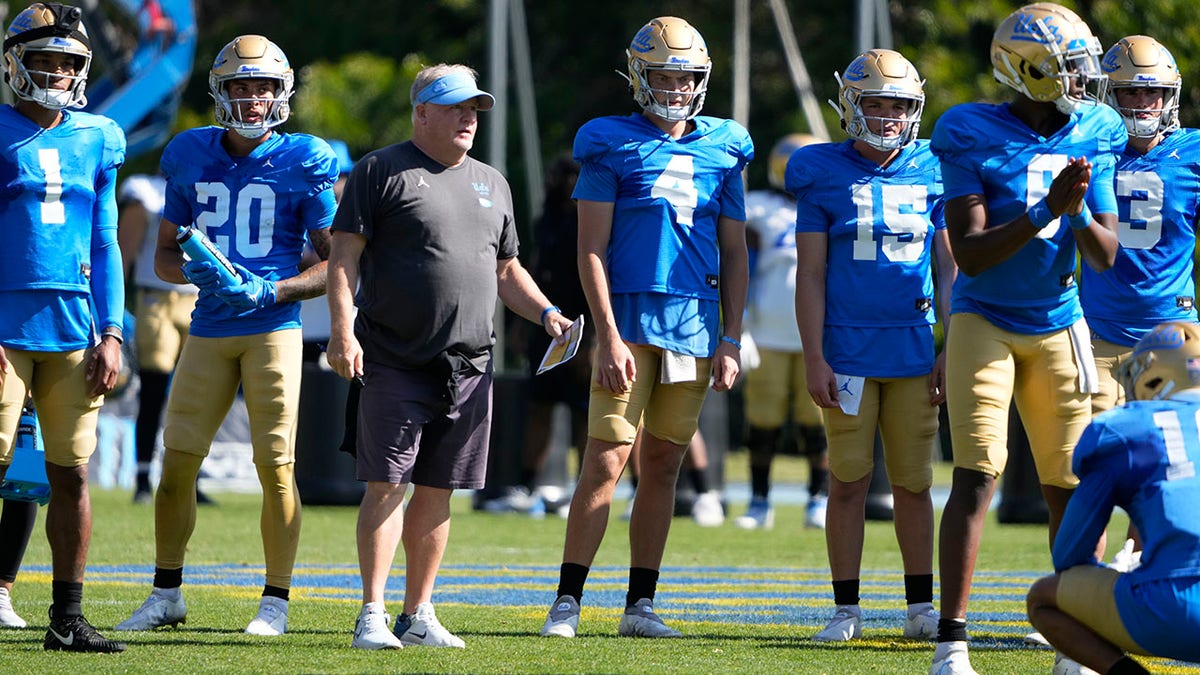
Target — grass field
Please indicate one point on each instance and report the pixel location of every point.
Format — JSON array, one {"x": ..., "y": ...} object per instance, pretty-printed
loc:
[{"x": 747, "y": 602}]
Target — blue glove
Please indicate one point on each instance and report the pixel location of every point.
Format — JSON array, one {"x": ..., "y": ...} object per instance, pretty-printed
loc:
[
  {"x": 202, "y": 274},
  {"x": 254, "y": 291}
]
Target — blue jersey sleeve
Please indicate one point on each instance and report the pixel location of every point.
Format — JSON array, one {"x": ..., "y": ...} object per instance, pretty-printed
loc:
[
  {"x": 1091, "y": 504},
  {"x": 798, "y": 180},
  {"x": 597, "y": 181},
  {"x": 107, "y": 283},
  {"x": 953, "y": 143}
]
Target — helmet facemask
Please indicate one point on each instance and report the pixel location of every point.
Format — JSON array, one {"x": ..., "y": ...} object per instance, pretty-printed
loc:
[
  {"x": 858, "y": 126},
  {"x": 1164, "y": 362},
  {"x": 228, "y": 111},
  {"x": 649, "y": 97}
]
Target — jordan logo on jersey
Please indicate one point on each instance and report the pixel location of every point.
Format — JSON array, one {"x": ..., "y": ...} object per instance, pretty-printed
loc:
[{"x": 421, "y": 182}]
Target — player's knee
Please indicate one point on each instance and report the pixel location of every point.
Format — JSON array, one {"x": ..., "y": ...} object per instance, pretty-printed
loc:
[
  {"x": 915, "y": 482},
  {"x": 677, "y": 431},
  {"x": 1042, "y": 594},
  {"x": 612, "y": 429}
]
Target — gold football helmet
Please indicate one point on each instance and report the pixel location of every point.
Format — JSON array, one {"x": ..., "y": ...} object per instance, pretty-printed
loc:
[
  {"x": 1140, "y": 61},
  {"x": 781, "y": 153},
  {"x": 1046, "y": 52},
  {"x": 251, "y": 56},
  {"x": 879, "y": 72},
  {"x": 668, "y": 43},
  {"x": 1165, "y": 361},
  {"x": 47, "y": 27}
]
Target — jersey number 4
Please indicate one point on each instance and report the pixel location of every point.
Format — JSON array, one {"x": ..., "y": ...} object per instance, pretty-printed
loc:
[
  {"x": 252, "y": 216},
  {"x": 676, "y": 184}
]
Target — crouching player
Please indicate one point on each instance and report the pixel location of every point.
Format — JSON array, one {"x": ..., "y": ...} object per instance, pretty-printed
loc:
[{"x": 1141, "y": 457}]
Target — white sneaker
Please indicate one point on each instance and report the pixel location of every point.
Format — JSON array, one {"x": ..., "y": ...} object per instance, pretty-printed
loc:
[
  {"x": 627, "y": 513},
  {"x": 1065, "y": 666},
  {"x": 950, "y": 658},
  {"x": 707, "y": 510},
  {"x": 563, "y": 618},
  {"x": 921, "y": 622},
  {"x": 8, "y": 616},
  {"x": 1037, "y": 641},
  {"x": 814, "y": 513},
  {"x": 759, "y": 516},
  {"x": 846, "y": 624},
  {"x": 424, "y": 629},
  {"x": 371, "y": 630},
  {"x": 271, "y": 619},
  {"x": 1127, "y": 559},
  {"x": 164, "y": 607},
  {"x": 641, "y": 621}
]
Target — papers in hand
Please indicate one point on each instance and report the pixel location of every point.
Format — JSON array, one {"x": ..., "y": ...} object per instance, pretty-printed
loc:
[{"x": 559, "y": 353}]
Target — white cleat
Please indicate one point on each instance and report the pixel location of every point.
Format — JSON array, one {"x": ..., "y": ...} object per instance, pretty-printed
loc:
[
  {"x": 641, "y": 621},
  {"x": 1065, "y": 666},
  {"x": 371, "y": 631},
  {"x": 563, "y": 618},
  {"x": 271, "y": 619},
  {"x": 950, "y": 658},
  {"x": 921, "y": 622},
  {"x": 164, "y": 607},
  {"x": 707, "y": 510},
  {"x": 8, "y": 616},
  {"x": 814, "y": 512},
  {"x": 423, "y": 629},
  {"x": 1037, "y": 641},
  {"x": 845, "y": 625}
]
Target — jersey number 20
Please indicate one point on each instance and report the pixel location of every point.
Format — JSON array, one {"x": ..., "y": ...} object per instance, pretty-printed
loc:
[{"x": 252, "y": 216}]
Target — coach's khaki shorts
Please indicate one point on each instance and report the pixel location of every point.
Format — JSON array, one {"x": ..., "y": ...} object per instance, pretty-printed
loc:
[
  {"x": 986, "y": 367},
  {"x": 667, "y": 411}
]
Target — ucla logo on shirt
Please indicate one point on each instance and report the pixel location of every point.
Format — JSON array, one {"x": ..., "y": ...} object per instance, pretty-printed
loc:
[
  {"x": 485, "y": 192},
  {"x": 1030, "y": 29}
]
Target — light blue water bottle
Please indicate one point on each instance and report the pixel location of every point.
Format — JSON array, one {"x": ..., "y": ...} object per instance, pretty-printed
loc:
[
  {"x": 26, "y": 478},
  {"x": 200, "y": 249}
]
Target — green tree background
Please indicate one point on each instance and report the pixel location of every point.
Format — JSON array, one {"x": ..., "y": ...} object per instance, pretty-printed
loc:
[{"x": 356, "y": 59}]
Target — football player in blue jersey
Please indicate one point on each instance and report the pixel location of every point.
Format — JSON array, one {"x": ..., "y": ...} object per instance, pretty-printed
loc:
[
  {"x": 778, "y": 384},
  {"x": 1158, "y": 179},
  {"x": 1157, "y": 188},
  {"x": 869, "y": 230},
  {"x": 662, "y": 259},
  {"x": 1028, "y": 183},
  {"x": 257, "y": 194},
  {"x": 1141, "y": 457},
  {"x": 60, "y": 254}
]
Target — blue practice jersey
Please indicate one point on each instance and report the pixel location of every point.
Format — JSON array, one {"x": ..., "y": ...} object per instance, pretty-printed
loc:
[
  {"x": 880, "y": 222},
  {"x": 256, "y": 209},
  {"x": 668, "y": 195},
  {"x": 1141, "y": 457},
  {"x": 986, "y": 150},
  {"x": 1151, "y": 282},
  {"x": 58, "y": 214}
]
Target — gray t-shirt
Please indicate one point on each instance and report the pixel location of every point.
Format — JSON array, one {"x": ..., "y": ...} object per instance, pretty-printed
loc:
[{"x": 428, "y": 272}]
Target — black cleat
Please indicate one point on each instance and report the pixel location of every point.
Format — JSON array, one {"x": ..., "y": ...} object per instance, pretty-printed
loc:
[{"x": 75, "y": 634}]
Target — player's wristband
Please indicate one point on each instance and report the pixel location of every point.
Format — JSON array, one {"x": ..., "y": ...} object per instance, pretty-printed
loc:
[
  {"x": 1040, "y": 215},
  {"x": 114, "y": 333},
  {"x": 545, "y": 312},
  {"x": 1081, "y": 220},
  {"x": 735, "y": 343}
]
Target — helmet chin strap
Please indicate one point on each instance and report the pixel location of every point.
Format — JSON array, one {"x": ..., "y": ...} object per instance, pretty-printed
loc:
[{"x": 252, "y": 132}]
